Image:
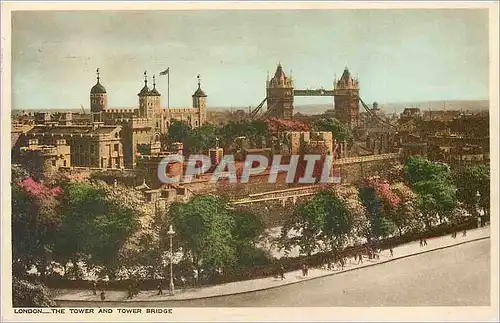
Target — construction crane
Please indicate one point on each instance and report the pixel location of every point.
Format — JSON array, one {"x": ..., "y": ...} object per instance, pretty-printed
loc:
[{"x": 83, "y": 109}]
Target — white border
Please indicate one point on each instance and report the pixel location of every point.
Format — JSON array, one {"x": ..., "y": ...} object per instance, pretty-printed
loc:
[{"x": 253, "y": 314}]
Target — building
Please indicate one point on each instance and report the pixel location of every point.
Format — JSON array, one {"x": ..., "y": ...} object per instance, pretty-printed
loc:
[
  {"x": 97, "y": 145},
  {"x": 144, "y": 127},
  {"x": 280, "y": 95},
  {"x": 346, "y": 99},
  {"x": 40, "y": 159},
  {"x": 409, "y": 114},
  {"x": 313, "y": 142}
]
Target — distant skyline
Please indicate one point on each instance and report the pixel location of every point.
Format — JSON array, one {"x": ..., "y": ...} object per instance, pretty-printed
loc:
[{"x": 398, "y": 55}]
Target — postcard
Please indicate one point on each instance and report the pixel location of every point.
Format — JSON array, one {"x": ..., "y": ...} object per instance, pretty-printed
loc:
[{"x": 256, "y": 161}]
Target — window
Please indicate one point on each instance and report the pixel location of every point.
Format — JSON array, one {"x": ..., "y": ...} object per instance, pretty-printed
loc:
[
  {"x": 116, "y": 147},
  {"x": 64, "y": 163}
]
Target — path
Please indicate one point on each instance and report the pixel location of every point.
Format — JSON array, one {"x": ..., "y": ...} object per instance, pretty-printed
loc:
[{"x": 270, "y": 282}]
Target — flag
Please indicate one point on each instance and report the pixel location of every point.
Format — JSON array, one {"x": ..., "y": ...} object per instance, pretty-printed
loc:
[{"x": 165, "y": 72}]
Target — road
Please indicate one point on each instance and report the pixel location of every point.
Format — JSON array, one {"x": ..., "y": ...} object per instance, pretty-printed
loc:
[{"x": 456, "y": 276}]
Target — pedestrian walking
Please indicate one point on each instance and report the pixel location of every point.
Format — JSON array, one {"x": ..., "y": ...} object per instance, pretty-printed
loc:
[
  {"x": 464, "y": 234},
  {"x": 94, "y": 287},
  {"x": 421, "y": 242},
  {"x": 425, "y": 242},
  {"x": 282, "y": 272},
  {"x": 135, "y": 287},
  {"x": 130, "y": 291},
  {"x": 160, "y": 287},
  {"x": 303, "y": 270},
  {"x": 195, "y": 277},
  {"x": 360, "y": 258},
  {"x": 391, "y": 251},
  {"x": 103, "y": 295},
  {"x": 306, "y": 269},
  {"x": 454, "y": 235}
]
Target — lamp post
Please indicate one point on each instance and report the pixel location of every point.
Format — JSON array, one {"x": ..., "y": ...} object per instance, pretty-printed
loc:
[
  {"x": 171, "y": 234},
  {"x": 476, "y": 206}
]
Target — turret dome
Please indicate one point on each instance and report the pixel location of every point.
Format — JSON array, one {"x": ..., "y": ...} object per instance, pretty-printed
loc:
[{"x": 98, "y": 88}]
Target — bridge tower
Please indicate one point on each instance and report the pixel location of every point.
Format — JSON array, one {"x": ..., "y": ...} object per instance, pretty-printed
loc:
[
  {"x": 280, "y": 95},
  {"x": 346, "y": 99}
]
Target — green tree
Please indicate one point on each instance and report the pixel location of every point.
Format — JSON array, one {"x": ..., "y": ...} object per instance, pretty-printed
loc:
[
  {"x": 432, "y": 182},
  {"x": 373, "y": 204},
  {"x": 254, "y": 130},
  {"x": 326, "y": 217},
  {"x": 204, "y": 227},
  {"x": 94, "y": 227},
  {"x": 179, "y": 131},
  {"x": 436, "y": 199},
  {"x": 360, "y": 228},
  {"x": 338, "y": 220},
  {"x": 339, "y": 130},
  {"x": 304, "y": 227},
  {"x": 247, "y": 230},
  {"x": 201, "y": 139},
  {"x": 418, "y": 169},
  {"x": 469, "y": 181}
]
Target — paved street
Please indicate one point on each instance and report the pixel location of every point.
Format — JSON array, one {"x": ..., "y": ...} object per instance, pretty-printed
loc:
[{"x": 453, "y": 276}]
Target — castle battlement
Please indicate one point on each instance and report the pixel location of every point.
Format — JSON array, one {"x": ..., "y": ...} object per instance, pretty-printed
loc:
[
  {"x": 154, "y": 158},
  {"x": 118, "y": 111},
  {"x": 135, "y": 122},
  {"x": 41, "y": 150},
  {"x": 182, "y": 110}
]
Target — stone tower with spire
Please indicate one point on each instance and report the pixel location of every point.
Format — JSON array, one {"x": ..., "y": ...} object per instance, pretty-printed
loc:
[
  {"x": 146, "y": 100},
  {"x": 280, "y": 95},
  {"x": 346, "y": 99},
  {"x": 200, "y": 103},
  {"x": 98, "y": 100}
]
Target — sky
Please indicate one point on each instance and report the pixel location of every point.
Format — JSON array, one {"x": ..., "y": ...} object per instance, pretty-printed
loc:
[{"x": 398, "y": 55}]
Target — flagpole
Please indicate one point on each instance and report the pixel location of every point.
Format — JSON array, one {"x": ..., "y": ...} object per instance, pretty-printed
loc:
[{"x": 168, "y": 89}]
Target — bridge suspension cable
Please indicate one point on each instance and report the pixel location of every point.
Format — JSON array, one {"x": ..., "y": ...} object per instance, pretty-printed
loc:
[
  {"x": 254, "y": 113},
  {"x": 382, "y": 121},
  {"x": 368, "y": 110}
]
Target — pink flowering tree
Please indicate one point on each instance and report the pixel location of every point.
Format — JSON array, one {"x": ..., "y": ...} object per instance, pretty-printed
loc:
[
  {"x": 405, "y": 214},
  {"x": 34, "y": 223},
  {"x": 380, "y": 202}
]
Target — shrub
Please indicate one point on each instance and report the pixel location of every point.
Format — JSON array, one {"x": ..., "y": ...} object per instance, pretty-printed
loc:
[{"x": 28, "y": 294}]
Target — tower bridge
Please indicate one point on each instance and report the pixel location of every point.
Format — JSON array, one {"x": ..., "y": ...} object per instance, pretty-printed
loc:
[
  {"x": 280, "y": 93},
  {"x": 317, "y": 92}
]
